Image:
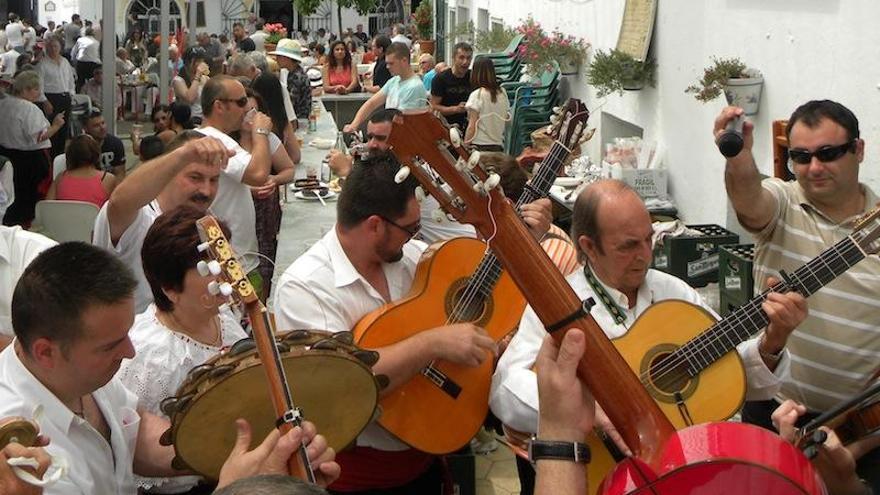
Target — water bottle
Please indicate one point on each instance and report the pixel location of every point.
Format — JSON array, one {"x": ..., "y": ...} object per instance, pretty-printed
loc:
[
  {"x": 313, "y": 119},
  {"x": 340, "y": 143}
]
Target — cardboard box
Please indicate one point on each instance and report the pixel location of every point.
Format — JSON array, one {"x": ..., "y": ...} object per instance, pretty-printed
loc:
[{"x": 648, "y": 182}]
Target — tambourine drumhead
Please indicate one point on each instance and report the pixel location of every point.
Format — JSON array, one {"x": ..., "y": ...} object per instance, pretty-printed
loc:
[
  {"x": 18, "y": 430},
  {"x": 335, "y": 391}
]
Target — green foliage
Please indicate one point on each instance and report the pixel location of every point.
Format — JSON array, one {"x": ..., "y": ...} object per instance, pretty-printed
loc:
[
  {"x": 463, "y": 32},
  {"x": 309, "y": 7},
  {"x": 495, "y": 39},
  {"x": 616, "y": 71},
  {"x": 542, "y": 51},
  {"x": 711, "y": 85},
  {"x": 423, "y": 18}
]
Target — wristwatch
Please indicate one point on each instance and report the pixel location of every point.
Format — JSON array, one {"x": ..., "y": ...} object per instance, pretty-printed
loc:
[
  {"x": 557, "y": 450},
  {"x": 261, "y": 131}
]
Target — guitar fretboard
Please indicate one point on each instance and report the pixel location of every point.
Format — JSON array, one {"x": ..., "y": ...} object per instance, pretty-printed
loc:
[
  {"x": 482, "y": 282},
  {"x": 700, "y": 352}
]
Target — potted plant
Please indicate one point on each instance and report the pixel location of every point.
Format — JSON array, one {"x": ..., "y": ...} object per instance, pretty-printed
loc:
[
  {"x": 495, "y": 39},
  {"x": 423, "y": 18},
  {"x": 277, "y": 32},
  {"x": 541, "y": 52},
  {"x": 616, "y": 71},
  {"x": 741, "y": 86},
  {"x": 570, "y": 52}
]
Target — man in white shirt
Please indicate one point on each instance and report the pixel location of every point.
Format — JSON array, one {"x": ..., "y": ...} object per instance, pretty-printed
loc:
[
  {"x": 15, "y": 33},
  {"x": 17, "y": 249},
  {"x": 223, "y": 102},
  {"x": 58, "y": 80},
  {"x": 369, "y": 259},
  {"x": 259, "y": 36},
  {"x": 612, "y": 229},
  {"x": 399, "y": 37},
  {"x": 9, "y": 60},
  {"x": 72, "y": 311},
  {"x": 29, "y": 34},
  {"x": 188, "y": 173},
  {"x": 86, "y": 52}
]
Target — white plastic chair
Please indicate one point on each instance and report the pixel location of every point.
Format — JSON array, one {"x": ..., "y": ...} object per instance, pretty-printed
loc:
[
  {"x": 65, "y": 220},
  {"x": 59, "y": 164}
]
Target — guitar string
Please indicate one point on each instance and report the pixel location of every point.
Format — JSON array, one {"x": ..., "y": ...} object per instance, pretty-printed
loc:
[
  {"x": 723, "y": 328},
  {"x": 701, "y": 342},
  {"x": 488, "y": 266}
]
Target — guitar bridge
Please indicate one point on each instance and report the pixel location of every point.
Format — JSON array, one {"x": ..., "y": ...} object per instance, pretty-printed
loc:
[{"x": 442, "y": 381}]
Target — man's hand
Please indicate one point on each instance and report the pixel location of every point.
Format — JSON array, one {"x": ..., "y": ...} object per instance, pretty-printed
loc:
[
  {"x": 728, "y": 114},
  {"x": 537, "y": 216},
  {"x": 340, "y": 163},
  {"x": 460, "y": 108},
  {"x": 208, "y": 150},
  {"x": 785, "y": 312},
  {"x": 10, "y": 484},
  {"x": 271, "y": 456},
  {"x": 567, "y": 408},
  {"x": 463, "y": 343},
  {"x": 348, "y": 128},
  {"x": 784, "y": 418}
]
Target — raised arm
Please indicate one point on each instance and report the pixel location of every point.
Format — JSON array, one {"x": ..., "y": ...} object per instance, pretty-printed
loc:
[
  {"x": 367, "y": 109},
  {"x": 754, "y": 205}
]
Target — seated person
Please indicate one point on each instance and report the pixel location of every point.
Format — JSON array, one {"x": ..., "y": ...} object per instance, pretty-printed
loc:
[
  {"x": 183, "y": 327},
  {"x": 83, "y": 180},
  {"x": 151, "y": 147}
]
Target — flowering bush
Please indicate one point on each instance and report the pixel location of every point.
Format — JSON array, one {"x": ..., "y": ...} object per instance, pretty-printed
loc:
[
  {"x": 423, "y": 18},
  {"x": 277, "y": 32},
  {"x": 540, "y": 50}
]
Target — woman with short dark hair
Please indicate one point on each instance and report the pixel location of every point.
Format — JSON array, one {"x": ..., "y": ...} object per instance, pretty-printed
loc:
[{"x": 83, "y": 180}]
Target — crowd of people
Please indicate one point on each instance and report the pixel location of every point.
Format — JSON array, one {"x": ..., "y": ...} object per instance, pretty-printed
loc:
[{"x": 97, "y": 335}]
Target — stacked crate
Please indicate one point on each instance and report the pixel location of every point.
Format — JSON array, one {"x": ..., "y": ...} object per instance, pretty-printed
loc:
[
  {"x": 694, "y": 258},
  {"x": 735, "y": 276}
]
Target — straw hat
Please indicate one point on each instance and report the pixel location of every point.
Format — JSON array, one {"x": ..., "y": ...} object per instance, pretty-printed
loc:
[{"x": 288, "y": 48}]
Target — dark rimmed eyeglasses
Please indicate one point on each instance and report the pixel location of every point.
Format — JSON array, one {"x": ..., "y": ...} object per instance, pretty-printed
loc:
[
  {"x": 411, "y": 231},
  {"x": 824, "y": 154},
  {"x": 241, "y": 102}
]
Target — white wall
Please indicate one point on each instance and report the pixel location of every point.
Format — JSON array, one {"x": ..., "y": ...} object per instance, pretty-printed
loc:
[{"x": 806, "y": 49}]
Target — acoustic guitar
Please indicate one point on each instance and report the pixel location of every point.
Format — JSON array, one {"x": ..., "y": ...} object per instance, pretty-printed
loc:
[
  {"x": 458, "y": 281},
  {"x": 233, "y": 282},
  {"x": 711, "y": 458}
]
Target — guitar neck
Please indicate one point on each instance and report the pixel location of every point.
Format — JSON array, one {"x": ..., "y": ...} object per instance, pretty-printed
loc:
[
  {"x": 483, "y": 281},
  {"x": 279, "y": 390},
  {"x": 745, "y": 321}
]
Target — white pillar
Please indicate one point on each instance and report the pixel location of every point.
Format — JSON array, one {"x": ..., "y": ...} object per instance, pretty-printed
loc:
[
  {"x": 108, "y": 57},
  {"x": 164, "y": 18},
  {"x": 193, "y": 21}
]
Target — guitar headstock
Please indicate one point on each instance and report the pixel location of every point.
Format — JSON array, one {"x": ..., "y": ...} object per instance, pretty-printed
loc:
[
  {"x": 867, "y": 231},
  {"x": 222, "y": 262},
  {"x": 569, "y": 126}
]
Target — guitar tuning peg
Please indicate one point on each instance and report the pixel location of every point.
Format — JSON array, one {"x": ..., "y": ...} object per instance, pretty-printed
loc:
[
  {"x": 557, "y": 110},
  {"x": 214, "y": 267},
  {"x": 474, "y": 160},
  {"x": 202, "y": 268},
  {"x": 401, "y": 174},
  {"x": 461, "y": 165},
  {"x": 203, "y": 247},
  {"x": 438, "y": 216},
  {"x": 455, "y": 137},
  {"x": 479, "y": 186},
  {"x": 225, "y": 289},
  {"x": 213, "y": 288},
  {"x": 492, "y": 182},
  {"x": 420, "y": 194},
  {"x": 451, "y": 217},
  {"x": 554, "y": 119}
]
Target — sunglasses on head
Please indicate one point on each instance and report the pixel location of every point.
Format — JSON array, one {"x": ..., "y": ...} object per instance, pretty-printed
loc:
[
  {"x": 824, "y": 154},
  {"x": 241, "y": 102}
]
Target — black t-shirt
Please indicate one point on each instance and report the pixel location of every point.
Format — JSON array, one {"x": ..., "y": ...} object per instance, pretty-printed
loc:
[
  {"x": 361, "y": 36},
  {"x": 452, "y": 91},
  {"x": 381, "y": 74},
  {"x": 246, "y": 45},
  {"x": 112, "y": 153}
]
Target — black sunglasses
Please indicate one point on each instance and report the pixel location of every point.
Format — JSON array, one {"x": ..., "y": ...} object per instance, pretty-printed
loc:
[
  {"x": 411, "y": 232},
  {"x": 241, "y": 102},
  {"x": 824, "y": 154}
]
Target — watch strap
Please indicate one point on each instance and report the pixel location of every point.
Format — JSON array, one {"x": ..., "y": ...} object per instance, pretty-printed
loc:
[{"x": 558, "y": 450}]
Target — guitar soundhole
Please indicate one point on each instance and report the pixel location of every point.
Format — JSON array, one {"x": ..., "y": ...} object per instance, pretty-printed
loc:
[
  {"x": 664, "y": 374},
  {"x": 466, "y": 304}
]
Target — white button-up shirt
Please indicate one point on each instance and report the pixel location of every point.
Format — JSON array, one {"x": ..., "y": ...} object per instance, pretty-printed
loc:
[
  {"x": 87, "y": 49},
  {"x": 514, "y": 392},
  {"x": 323, "y": 290},
  {"x": 56, "y": 77},
  {"x": 17, "y": 249},
  {"x": 94, "y": 466}
]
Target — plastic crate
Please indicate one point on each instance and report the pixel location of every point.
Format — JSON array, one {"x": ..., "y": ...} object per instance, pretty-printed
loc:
[
  {"x": 735, "y": 274},
  {"x": 728, "y": 302},
  {"x": 694, "y": 259}
]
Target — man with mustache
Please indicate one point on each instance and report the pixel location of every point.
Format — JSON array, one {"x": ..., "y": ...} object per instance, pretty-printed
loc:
[
  {"x": 612, "y": 231},
  {"x": 188, "y": 173}
]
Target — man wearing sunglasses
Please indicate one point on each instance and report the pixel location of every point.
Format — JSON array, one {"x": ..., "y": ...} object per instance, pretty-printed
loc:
[{"x": 834, "y": 351}]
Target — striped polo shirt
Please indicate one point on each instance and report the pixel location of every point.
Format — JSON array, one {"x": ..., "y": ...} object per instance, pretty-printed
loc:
[{"x": 837, "y": 348}]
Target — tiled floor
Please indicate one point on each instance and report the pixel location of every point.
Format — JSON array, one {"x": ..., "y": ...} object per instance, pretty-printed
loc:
[{"x": 496, "y": 473}]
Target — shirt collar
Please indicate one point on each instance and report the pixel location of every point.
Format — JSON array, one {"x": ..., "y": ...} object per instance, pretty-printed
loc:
[
  {"x": 53, "y": 410},
  {"x": 643, "y": 296},
  {"x": 7, "y": 234},
  {"x": 871, "y": 200},
  {"x": 344, "y": 273}
]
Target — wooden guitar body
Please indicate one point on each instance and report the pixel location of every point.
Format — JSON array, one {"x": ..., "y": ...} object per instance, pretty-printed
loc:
[
  {"x": 719, "y": 458},
  {"x": 453, "y": 417}
]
